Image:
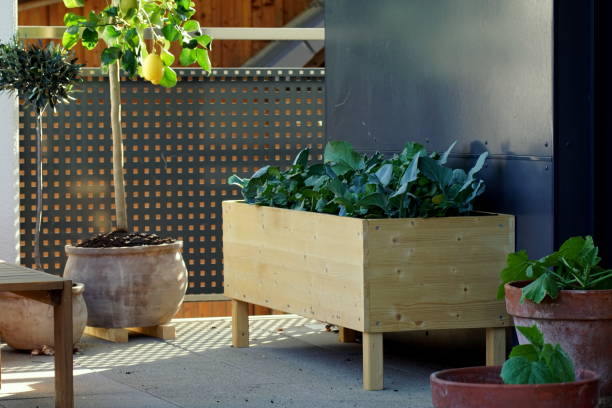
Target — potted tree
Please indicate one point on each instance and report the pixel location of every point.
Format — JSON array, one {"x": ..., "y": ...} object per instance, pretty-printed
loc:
[
  {"x": 569, "y": 296},
  {"x": 537, "y": 374},
  {"x": 134, "y": 280},
  {"x": 43, "y": 77},
  {"x": 369, "y": 243}
]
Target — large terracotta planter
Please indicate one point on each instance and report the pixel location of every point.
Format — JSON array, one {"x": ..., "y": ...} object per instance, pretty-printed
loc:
[
  {"x": 129, "y": 286},
  {"x": 580, "y": 321},
  {"x": 27, "y": 324},
  {"x": 481, "y": 387}
]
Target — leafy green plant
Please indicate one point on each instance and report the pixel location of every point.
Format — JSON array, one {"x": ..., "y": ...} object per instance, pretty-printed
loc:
[
  {"x": 413, "y": 183},
  {"x": 43, "y": 76},
  {"x": 574, "y": 266},
  {"x": 122, "y": 26},
  {"x": 538, "y": 362}
]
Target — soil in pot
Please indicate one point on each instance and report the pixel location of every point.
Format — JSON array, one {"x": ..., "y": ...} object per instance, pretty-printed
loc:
[
  {"x": 27, "y": 324},
  {"x": 580, "y": 321},
  {"x": 122, "y": 238},
  {"x": 482, "y": 387}
]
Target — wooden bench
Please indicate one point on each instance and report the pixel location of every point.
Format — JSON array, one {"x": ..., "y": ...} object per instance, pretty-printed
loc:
[{"x": 55, "y": 291}]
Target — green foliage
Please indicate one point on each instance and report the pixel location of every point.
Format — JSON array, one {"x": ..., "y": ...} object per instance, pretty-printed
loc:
[
  {"x": 410, "y": 184},
  {"x": 41, "y": 75},
  {"x": 574, "y": 266},
  {"x": 538, "y": 362},
  {"x": 122, "y": 29}
]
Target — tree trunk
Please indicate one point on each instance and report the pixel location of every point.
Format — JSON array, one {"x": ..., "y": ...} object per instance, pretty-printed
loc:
[
  {"x": 39, "y": 188},
  {"x": 118, "y": 177}
]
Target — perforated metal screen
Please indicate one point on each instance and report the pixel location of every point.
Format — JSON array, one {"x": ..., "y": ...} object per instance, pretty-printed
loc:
[{"x": 181, "y": 144}]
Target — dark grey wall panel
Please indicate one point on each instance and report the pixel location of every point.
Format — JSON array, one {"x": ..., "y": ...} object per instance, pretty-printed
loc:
[
  {"x": 476, "y": 71},
  {"x": 441, "y": 70}
]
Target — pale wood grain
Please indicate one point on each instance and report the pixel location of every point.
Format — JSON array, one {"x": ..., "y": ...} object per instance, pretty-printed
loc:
[
  {"x": 240, "y": 324},
  {"x": 373, "y": 364}
]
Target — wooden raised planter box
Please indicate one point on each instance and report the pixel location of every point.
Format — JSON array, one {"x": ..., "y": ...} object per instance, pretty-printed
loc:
[{"x": 371, "y": 275}]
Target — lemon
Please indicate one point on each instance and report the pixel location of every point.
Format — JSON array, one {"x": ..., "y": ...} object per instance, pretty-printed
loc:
[
  {"x": 127, "y": 5},
  {"x": 153, "y": 68}
]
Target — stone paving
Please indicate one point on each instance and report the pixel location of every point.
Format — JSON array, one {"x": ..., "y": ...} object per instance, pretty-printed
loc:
[{"x": 293, "y": 362}]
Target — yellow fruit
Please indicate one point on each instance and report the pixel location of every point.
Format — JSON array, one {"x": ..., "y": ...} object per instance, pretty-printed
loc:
[
  {"x": 437, "y": 199},
  {"x": 127, "y": 5},
  {"x": 153, "y": 68}
]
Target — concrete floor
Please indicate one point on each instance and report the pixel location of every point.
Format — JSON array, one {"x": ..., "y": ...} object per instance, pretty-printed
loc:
[{"x": 293, "y": 362}]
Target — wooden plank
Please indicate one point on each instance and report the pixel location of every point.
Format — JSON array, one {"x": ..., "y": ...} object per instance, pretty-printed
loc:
[
  {"x": 436, "y": 273},
  {"x": 40, "y": 296},
  {"x": 289, "y": 260},
  {"x": 346, "y": 335},
  {"x": 496, "y": 346},
  {"x": 62, "y": 322},
  {"x": 373, "y": 362},
  {"x": 240, "y": 324},
  {"x": 113, "y": 335},
  {"x": 163, "y": 331},
  {"x": 29, "y": 285}
]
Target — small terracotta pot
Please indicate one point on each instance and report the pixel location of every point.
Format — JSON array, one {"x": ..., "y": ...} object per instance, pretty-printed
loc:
[
  {"x": 137, "y": 286},
  {"x": 481, "y": 387},
  {"x": 579, "y": 320},
  {"x": 27, "y": 324}
]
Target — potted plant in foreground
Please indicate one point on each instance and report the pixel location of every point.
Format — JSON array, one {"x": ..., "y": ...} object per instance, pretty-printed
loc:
[
  {"x": 134, "y": 280},
  {"x": 43, "y": 77},
  {"x": 569, "y": 296},
  {"x": 537, "y": 374},
  {"x": 371, "y": 243}
]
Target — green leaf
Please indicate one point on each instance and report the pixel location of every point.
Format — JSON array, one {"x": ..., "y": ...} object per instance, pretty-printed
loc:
[
  {"x": 537, "y": 290},
  {"x": 444, "y": 157},
  {"x": 384, "y": 174},
  {"x": 237, "y": 181},
  {"x": 302, "y": 158},
  {"x": 527, "y": 351},
  {"x": 71, "y": 19},
  {"x": 129, "y": 63},
  {"x": 343, "y": 156},
  {"x": 558, "y": 362},
  {"x": 132, "y": 38},
  {"x": 187, "y": 57},
  {"x": 112, "y": 11},
  {"x": 434, "y": 171},
  {"x": 167, "y": 57},
  {"x": 477, "y": 167},
  {"x": 89, "y": 38},
  {"x": 191, "y": 25},
  {"x": 412, "y": 170},
  {"x": 374, "y": 199},
  {"x": 74, "y": 3},
  {"x": 204, "y": 41},
  {"x": 517, "y": 264},
  {"x": 169, "y": 78},
  {"x": 110, "y": 34},
  {"x": 533, "y": 335},
  {"x": 201, "y": 57},
  {"x": 70, "y": 39},
  {"x": 110, "y": 55},
  {"x": 170, "y": 32},
  {"x": 519, "y": 370}
]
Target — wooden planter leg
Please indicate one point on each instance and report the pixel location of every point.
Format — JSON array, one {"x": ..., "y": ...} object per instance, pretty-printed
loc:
[
  {"x": 496, "y": 345},
  {"x": 372, "y": 361},
  {"x": 240, "y": 324}
]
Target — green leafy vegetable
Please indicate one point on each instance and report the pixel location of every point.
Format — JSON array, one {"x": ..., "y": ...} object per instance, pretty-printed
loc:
[
  {"x": 574, "y": 267},
  {"x": 412, "y": 183},
  {"x": 538, "y": 362}
]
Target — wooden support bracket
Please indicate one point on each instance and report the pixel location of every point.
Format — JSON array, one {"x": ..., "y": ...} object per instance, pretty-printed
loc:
[
  {"x": 164, "y": 332},
  {"x": 346, "y": 335}
]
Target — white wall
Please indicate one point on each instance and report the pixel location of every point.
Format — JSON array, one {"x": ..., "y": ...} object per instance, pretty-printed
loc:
[{"x": 9, "y": 152}]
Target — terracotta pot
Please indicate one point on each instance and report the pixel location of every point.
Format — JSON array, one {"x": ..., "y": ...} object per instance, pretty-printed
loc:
[
  {"x": 130, "y": 286},
  {"x": 27, "y": 324},
  {"x": 481, "y": 387},
  {"x": 579, "y": 320}
]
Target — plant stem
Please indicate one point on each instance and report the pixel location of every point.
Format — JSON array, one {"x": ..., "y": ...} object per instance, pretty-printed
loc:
[
  {"x": 118, "y": 176},
  {"x": 39, "y": 188}
]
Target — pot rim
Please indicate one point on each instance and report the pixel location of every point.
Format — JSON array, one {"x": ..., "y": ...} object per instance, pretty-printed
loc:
[
  {"x": 522, "y": 283},
  {"x": 133, "y": 250},
  {"x": 435, "y": 378}
]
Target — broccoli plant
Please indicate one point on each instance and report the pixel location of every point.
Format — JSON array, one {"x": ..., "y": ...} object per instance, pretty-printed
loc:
[
  {"x": 123, "y": 27},
  {"x": 43, "y": 76}
]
